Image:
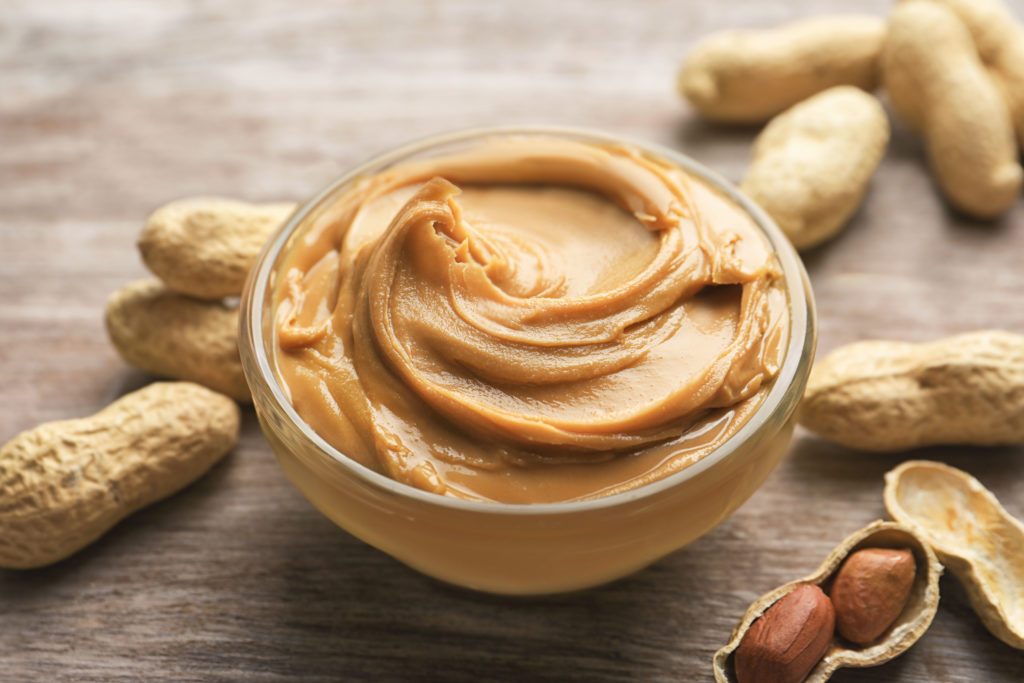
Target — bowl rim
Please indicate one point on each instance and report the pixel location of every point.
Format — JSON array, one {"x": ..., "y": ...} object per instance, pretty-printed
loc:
[{"x": 798, "y": 357}]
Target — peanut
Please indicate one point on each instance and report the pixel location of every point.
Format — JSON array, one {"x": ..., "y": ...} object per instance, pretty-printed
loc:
[
  {"x": 999, "y": 39},
  {"x": 910, "y": 624},
  {"x": 205, "y": 246},
  {"x": 64, "y": 484},
  {"x": 785, "y": 643},
  {"x": 892, "y": 396},
  {"x": 749, "y": 76},
  {"x": 812, "y": 163},
  {"x": 939, "y": 86},
  {"x": 870, "y": 591},
  {"x": 176, "y": 336}
]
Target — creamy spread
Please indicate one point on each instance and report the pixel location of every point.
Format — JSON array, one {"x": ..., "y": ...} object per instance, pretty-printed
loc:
[{"x": 532, "y": 319}]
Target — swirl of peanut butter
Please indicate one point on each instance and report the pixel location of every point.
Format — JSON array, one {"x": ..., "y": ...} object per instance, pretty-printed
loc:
[{"x": 533, "y": 319}]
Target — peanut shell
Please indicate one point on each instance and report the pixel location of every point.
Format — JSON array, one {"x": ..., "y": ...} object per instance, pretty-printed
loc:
[
  {"x": 912, "y": 622},
  {"x": 176, "y": 336},
  {"x": 750, "y": 75},
  {"x": 813, "y": 163},
  {"x": 939, "y": 86},
  {"x": 972, "y": 534},
  {"x": 892, "y": 396},
  {"x": 999, "y": 39},
  {"x": 64, "y": 484},
  {"x": 204, "y": 246}
]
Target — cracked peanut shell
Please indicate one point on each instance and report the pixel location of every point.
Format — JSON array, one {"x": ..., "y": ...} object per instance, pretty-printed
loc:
[
  {"x": 972, "y": 534},
  {"x": 911, "y": 624}
]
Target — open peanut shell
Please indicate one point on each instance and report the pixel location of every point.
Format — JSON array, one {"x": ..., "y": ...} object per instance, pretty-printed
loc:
[
  {"x": 913, "y": 621},
  {"x": 972, "y": 534}
]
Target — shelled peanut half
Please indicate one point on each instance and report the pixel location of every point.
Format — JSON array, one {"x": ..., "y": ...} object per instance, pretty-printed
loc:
[{"x": 877, "y": 592}]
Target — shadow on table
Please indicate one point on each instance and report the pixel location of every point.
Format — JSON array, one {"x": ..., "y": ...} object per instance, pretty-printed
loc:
[
  {"x": 695, "y": 133},
  {"x": 350, "y": 608},
  {"x": 814, "y": 456}
]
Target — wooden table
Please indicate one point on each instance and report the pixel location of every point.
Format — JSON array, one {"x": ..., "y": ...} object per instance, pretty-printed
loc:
[{"x": 110, "y": 108}]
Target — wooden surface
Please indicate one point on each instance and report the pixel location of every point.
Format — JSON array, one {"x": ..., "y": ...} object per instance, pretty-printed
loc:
[{"x": 110, "y": 108}]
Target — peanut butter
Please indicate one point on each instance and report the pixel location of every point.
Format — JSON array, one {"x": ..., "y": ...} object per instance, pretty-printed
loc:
[{"x": 533, "y": 319}]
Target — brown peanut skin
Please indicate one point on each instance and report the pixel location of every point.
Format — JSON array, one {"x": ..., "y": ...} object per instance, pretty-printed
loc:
[
  {"x": 64, "y": 484},
  {"x": 785, "y": 643},
  {"x": 870, "y": 591},
  {"x": 911, "y": 624}
]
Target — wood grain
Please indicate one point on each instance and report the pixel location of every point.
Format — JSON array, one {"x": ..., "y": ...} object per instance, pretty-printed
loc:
[{"x": 111, "y": 108}]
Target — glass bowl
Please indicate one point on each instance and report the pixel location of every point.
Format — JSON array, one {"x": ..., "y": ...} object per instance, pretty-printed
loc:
[{"x": 525, "y": 548}]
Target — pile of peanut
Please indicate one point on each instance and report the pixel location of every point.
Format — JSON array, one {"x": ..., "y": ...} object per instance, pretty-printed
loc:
[
  {"x": 953, "y": 71},
  {"x": 184, "y": 324},
  {"x": 64, "y": 484}
]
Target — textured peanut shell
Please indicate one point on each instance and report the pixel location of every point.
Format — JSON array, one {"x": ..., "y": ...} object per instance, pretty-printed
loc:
[
  {"x": 205, "y": 246},
  {"x": 176, "y": 336},
  {"x": 812, "y": 163},
  {"x": 972, "y": 534},
  {"x": 999, "y": 39},
  {"x": 892, "y": 396},
  {"x": 913, "y": 621},
  {"x": 939, "y": 86},
  {"x": 64, "y": 484},
  {"x": 749, "y": 76}
]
